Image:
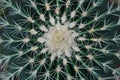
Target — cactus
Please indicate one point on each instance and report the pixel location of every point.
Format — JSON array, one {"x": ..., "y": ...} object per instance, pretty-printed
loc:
[
  {"x": 2, "y": 8},
  {"x": 60, "y": 40}
]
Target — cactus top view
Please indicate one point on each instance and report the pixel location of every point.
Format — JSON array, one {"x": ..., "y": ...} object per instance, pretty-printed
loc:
[{"x": 60, "y": 40}]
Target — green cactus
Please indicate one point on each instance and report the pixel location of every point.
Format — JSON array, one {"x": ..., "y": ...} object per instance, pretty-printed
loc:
[
  {"x": 60, "y": 40},
  {"x": 2, "y": 8}
]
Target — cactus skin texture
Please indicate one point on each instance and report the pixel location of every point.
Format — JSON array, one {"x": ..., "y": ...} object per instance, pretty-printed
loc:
[{"x": 60, "y": 40}]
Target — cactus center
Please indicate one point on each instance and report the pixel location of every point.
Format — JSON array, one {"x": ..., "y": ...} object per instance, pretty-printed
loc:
[{"x": 60, "y": 40}]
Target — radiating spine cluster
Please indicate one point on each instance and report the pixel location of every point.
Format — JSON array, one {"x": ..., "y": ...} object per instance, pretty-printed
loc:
[{"x": 60, "y": 40}]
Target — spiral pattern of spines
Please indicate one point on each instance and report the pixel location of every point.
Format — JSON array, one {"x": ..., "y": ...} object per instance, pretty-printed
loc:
[{"x": 26, "y": 25}]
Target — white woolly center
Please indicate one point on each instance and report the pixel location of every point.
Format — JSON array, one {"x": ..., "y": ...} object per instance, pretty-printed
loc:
[{"x": 60, "y": 40}]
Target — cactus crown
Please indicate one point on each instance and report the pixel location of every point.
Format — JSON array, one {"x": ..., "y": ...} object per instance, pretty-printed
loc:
[{"x": 60, "y": 40}]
